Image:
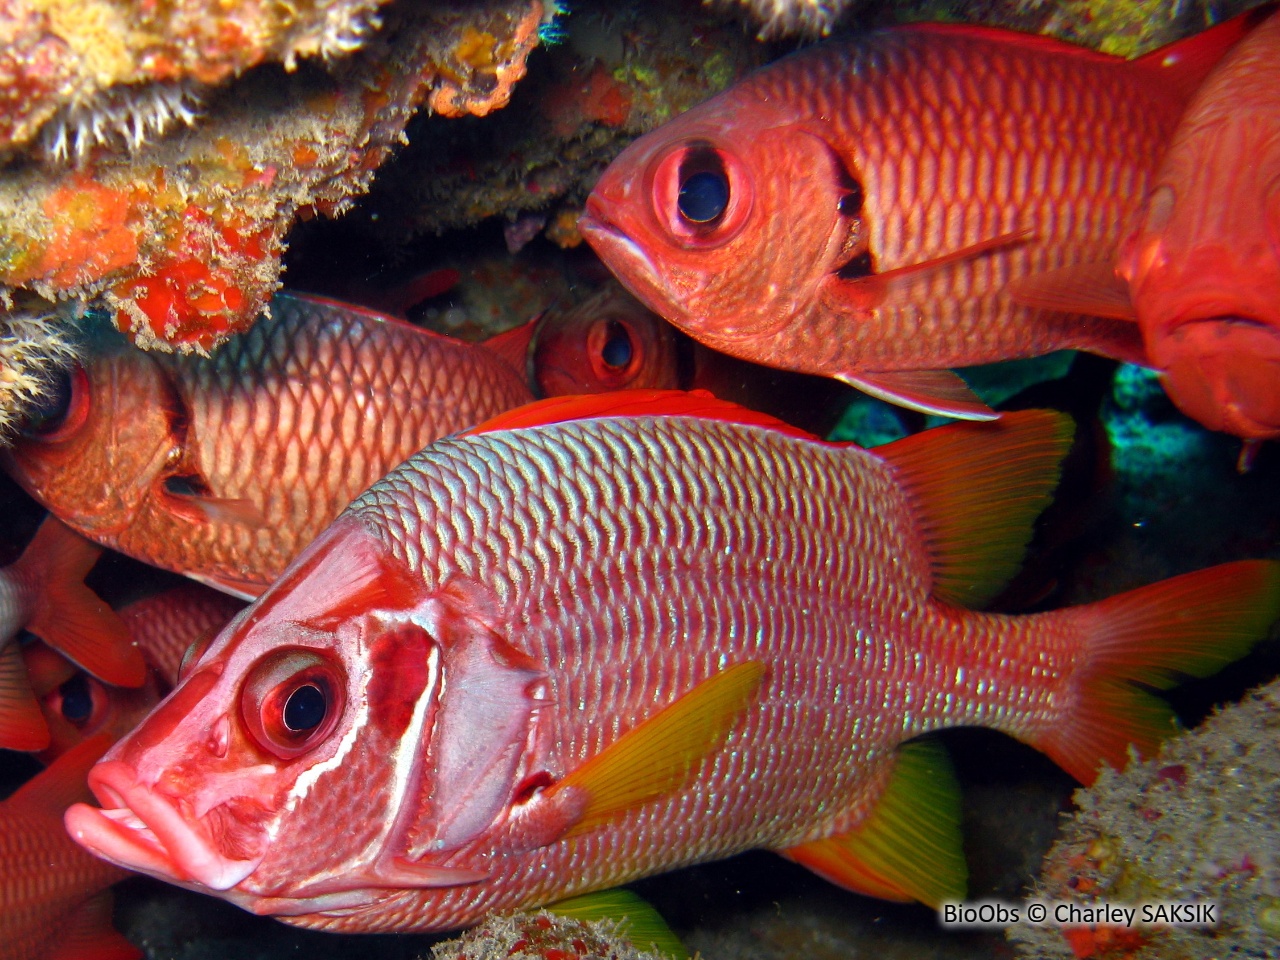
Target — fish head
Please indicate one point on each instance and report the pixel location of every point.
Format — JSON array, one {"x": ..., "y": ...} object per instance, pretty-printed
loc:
[
  {"x": 309, "y": 759},
  {"x": 608, "y": 342},
  {"x": 1203, "y": 267},
  {"x": 77, "y": 705},
  {"x": 92, "y": 449},
  {"x": 727, "y": 220}
]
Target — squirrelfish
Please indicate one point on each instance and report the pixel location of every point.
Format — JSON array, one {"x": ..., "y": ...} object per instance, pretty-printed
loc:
[
  {"x": 857, "y": 209},
  {"x": 224, "y": 468},
  {"x": 43, "y": 592},
  {"x": 54, "y": 898},
  {"x": 552, "y": 655},
  {"x": 1200, "y": 267}
]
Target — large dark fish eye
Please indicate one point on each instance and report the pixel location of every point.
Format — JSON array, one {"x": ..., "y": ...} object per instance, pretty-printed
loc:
[
  {"x": 703, "y": 196},
  {"x": 292, "y": 699},
  {"x": 618, "y": 348},
  {"x": 305, "y": 709},
  {"x": 76, "y": 700}
]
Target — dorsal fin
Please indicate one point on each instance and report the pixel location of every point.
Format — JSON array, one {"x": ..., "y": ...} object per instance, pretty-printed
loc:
[
  {"x": 659, "y": 755},
  {"x": 978, "y": 488},
  {"x": 1184, "y": 64},
  {"x": 632, "y": 403},
  {"x": 909, "y": 846}
]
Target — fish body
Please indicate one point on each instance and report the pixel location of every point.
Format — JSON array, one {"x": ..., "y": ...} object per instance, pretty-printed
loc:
[
  {"x": 53, "y": 896},
  {"x": 1199, "y": 269},
  {"x": 43, "y": 592},
  {"x": 549, "y": 657},
  {"x": 857, "y": 209},
  {"x": 224, "y": 468}
]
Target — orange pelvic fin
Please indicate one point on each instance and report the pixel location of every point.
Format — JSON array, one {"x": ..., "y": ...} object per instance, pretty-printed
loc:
[
  {"x": 939, "y": 392},
  {"x": 1089, "y": 288},
  {"x": 22, "y": 725},
  {"x": 87, "y": 934},
  {"x": 632, "y": 403},
  {"x": 72, "y": 618},
  {"x": 909, "y": 846},
  {"x": 1155, "y": 636},
  {"x": 660, "y": 754},
  {"x": 977, "y": 489}
]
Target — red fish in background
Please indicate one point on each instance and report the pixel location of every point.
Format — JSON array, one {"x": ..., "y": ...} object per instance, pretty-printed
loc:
[
  {"x": 858, "y": 209},
  {"x": 224, "y": 468},
  {"x": 43, "y": 592},
  {"x": 165, "y": 626},
  {"x": 554, "y": 654},
  {"x": 1200, "y": 269},
  {"x": 56, "y": 905}
]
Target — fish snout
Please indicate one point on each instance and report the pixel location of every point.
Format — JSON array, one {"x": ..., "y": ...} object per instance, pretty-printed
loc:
[
  {"x": 141, "y": 829},
  {"x": 1224, "y": 371}
]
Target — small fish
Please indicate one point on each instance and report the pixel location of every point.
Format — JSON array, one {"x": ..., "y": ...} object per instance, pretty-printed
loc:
[
  {"x": 1200, "y": 267},
  {"x": 857, "y": 209},
  {"x": 76, "y": 705},
  {"x": 224, "y": 468},
  {"x": 54, "y": 901},
  {"x": 608, "y": 342},
  {"x": 43, "y": 592},
  {"x": 603, "y": 637}
]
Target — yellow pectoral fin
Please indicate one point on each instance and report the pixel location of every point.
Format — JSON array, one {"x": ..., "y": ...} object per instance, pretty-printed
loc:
[
  {"x": 909, "y": 847},
  {"x": 659, "y": 755}
]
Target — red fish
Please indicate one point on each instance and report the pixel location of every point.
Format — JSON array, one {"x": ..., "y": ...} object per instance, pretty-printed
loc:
[
  {"x": 54, "y": 902},
  {"x": 223, "y": 469},
  {"x": 44, "y": 593},
  {"x": 1200, "y": 268},
  {"x": 857, "y": 209},
  {"x": 76, "y": 705},
  {"x": 552, "y": 655}
]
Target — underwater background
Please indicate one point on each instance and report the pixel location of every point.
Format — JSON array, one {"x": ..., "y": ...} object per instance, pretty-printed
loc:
[{"x": 474, "y": 215}]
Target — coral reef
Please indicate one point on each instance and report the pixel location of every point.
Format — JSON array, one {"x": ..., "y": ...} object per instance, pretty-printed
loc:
[
  {"x": 34, "y": 345},
  {"x": 542, "y": 936},
  {"x": 1200, "y": 822},
  {"x": 779, "y": 18},
  {"x": 184, "y": 239}
]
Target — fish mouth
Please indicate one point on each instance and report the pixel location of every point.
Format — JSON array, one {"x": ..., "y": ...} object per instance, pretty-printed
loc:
[
  {"x": 614, "y": 246},
  {"x": 140, "y": 829}
]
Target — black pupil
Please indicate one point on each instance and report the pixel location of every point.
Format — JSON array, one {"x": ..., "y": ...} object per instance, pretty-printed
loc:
[
  {"x": 305, "y": 708},
  {"x": 77, "y": 701},
  {"x": 703, "y": 196},
  {"x": 617, "y": 350},
  {"x": 49, "y": 408}
]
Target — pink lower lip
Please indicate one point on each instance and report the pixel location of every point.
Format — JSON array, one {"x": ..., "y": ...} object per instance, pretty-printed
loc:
[{"x": 139, "y": 829}]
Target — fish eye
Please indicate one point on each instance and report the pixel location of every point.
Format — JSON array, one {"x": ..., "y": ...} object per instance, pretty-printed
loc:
[
  {"x": 703, "y": 197},
  {"x": 701, "y": 193},
  {"x": 75, "y": 700},
  {"x": 60, "y": 408},
  {"x": 292, "y": 699},
  {"x": 618, "y": 349}
]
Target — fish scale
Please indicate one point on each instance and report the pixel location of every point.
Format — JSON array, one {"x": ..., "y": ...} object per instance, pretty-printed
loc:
[{"x": 558, "y": 654}]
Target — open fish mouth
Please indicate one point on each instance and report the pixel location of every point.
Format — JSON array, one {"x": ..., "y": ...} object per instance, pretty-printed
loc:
[{"x": 139, "y": 829}]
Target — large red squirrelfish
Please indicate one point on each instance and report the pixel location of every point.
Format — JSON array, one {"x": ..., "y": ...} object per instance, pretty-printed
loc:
[
  {"x": 224, "y": 468},
  {"x": 43, "y": 592},
  {"x": 857, "y": 209},
  {"x": 54, "y": 899},
  {"x": 1200, "y": 269},
  {"x": 549, "y": 656}
]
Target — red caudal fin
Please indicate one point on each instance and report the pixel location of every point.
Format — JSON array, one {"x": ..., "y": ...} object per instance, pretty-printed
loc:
[{"x": 1150, "y": 639}]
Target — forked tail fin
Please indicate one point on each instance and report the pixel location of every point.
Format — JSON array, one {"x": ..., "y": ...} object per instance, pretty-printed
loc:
[{"x": 1151, "y": 639}]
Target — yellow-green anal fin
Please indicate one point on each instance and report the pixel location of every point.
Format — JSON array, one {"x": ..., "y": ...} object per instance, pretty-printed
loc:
[
  {"x": 637, "y": 920},
  {"x": 909, "y": 847},
  {"x": 659, "y": 755},
  {"x": 978, "y": 488}
]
